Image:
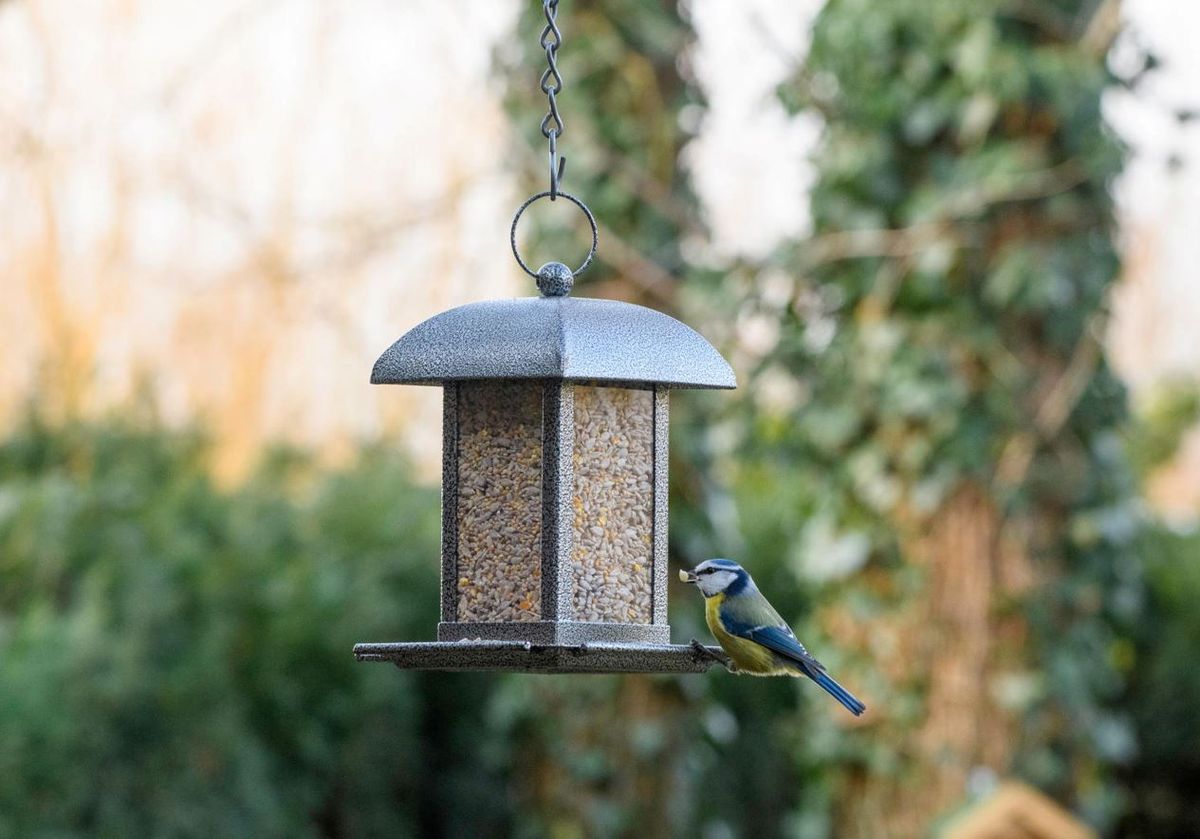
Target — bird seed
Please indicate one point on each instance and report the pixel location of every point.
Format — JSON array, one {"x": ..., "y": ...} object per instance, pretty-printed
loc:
[
  {"x": 613, "y": 500},
  {"x": 499, "y": 501}
]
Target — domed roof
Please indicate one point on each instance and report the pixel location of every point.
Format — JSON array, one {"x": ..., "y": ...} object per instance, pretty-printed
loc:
[{"x": 569, "y": 338}]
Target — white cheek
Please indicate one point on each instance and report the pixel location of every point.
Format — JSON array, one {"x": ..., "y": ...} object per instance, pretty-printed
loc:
[{"x": 710, "y": 584}]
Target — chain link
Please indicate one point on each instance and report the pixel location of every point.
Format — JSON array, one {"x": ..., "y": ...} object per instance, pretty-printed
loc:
[{"x": 552, "y": 84}]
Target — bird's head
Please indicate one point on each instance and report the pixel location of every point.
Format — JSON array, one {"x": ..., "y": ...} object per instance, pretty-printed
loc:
[{"x": 716, "y": 576}]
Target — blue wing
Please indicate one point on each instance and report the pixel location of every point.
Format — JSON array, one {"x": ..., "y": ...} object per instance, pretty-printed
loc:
[{"x": 749, "y": 615}]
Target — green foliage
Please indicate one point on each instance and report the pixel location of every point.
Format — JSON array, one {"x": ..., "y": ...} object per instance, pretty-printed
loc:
[
  {"x": 939, "y": 330},
  {"x": 964, "y": 172},
  {"x": 1173, "y": 410},
  {"x": 175, "y": 660},
  {"x": 1165, "y": 781}
]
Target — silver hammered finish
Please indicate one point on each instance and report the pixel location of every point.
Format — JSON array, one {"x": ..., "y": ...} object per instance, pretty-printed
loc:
[
  {"x": 449, "y": 574},
  {"x": 527, "y": 657},
  {"x": 569, "y": 338},
  {"x": 555, "y": 280},
  {"x": 661, "y": 495},
  {"x": 558, "y": 446},
  {"x": 556, "y": 632}
]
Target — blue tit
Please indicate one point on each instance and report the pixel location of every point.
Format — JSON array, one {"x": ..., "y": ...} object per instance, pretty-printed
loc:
[{"x": 752, "y": 633}]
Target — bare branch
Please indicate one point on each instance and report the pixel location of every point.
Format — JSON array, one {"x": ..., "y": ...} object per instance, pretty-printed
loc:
[
  {"x": 1055, "y": 408},
  {"x": 905, "y": 241},
  {"x": 636, "y": 267},
  {"x": 1102, "y": 28}
]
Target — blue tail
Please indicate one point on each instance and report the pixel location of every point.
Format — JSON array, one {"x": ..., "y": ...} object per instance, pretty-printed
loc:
[{"x": 839, "y": 693}]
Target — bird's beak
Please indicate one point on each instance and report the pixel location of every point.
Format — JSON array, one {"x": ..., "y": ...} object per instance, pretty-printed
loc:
[{"x": 686, "y": 576}]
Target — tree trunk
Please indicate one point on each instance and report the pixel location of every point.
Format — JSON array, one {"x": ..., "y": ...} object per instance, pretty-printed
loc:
[{"x": 957, "y": 642}]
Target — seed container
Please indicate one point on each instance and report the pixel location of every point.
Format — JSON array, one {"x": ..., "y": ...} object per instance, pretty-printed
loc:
[{"x": 554, "y": 482}]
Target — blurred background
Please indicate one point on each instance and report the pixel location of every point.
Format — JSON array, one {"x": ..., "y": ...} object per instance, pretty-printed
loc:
[{"x": 948, "y": 247}]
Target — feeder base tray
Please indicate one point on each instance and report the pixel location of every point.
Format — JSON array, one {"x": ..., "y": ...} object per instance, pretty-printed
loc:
[{"x": 523, "y": 656}]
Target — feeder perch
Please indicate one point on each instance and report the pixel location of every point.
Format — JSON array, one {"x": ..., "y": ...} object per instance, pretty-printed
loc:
[{"x": 554, "y": 481}]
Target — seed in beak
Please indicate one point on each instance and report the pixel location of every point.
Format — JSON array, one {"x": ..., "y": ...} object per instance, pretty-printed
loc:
[{"x": 686, "y": 576}]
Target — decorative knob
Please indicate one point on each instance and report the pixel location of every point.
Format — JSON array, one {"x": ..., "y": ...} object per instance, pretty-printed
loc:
[{"x": 555, "y": 280}]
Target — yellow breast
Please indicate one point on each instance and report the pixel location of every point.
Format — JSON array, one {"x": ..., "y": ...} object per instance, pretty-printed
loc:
[{"x": 748, "y": 656}]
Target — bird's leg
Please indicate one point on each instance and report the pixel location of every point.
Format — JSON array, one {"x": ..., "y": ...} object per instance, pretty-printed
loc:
[
  {"x": 712, "y": 655},
  {"x": 705, "y": 654}
]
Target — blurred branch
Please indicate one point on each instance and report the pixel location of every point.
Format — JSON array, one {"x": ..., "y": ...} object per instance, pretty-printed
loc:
[
  {"x": 1055, "y": 408},
  {"x": 905, "y": 241},
  {"x": 219, "y": 38},
  {"x": 359, "y": 236},
  {"x": 766, "y": 33},
  {"x": 651, "y": 191},
  {"x": 1044, "y": 184},
  {"x": 1102, "y": 28},
  {"x": 636, "y": 267},
  {"x": 883, "y": 242},
  {"x": 1042, "y": 15}
]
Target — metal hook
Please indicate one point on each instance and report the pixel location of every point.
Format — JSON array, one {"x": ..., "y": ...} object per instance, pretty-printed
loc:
[{"x": 557, "y": 165}]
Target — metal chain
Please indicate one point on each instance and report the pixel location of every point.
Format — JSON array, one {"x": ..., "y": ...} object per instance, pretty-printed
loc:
[
  {"x": 552, "y": 84},
  {"x": 554, "y": 278}
]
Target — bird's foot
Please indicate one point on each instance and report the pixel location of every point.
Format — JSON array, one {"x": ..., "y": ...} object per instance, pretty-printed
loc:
[{"x": 709, "y": 654}]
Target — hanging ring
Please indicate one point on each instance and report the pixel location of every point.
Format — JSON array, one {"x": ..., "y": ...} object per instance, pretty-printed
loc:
[{"x": 512, "y": 236}]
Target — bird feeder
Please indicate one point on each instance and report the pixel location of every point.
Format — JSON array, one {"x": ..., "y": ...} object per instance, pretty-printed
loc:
[
  {"x": 554, "y": 468},
  {"x": 554, "y": 480}
]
